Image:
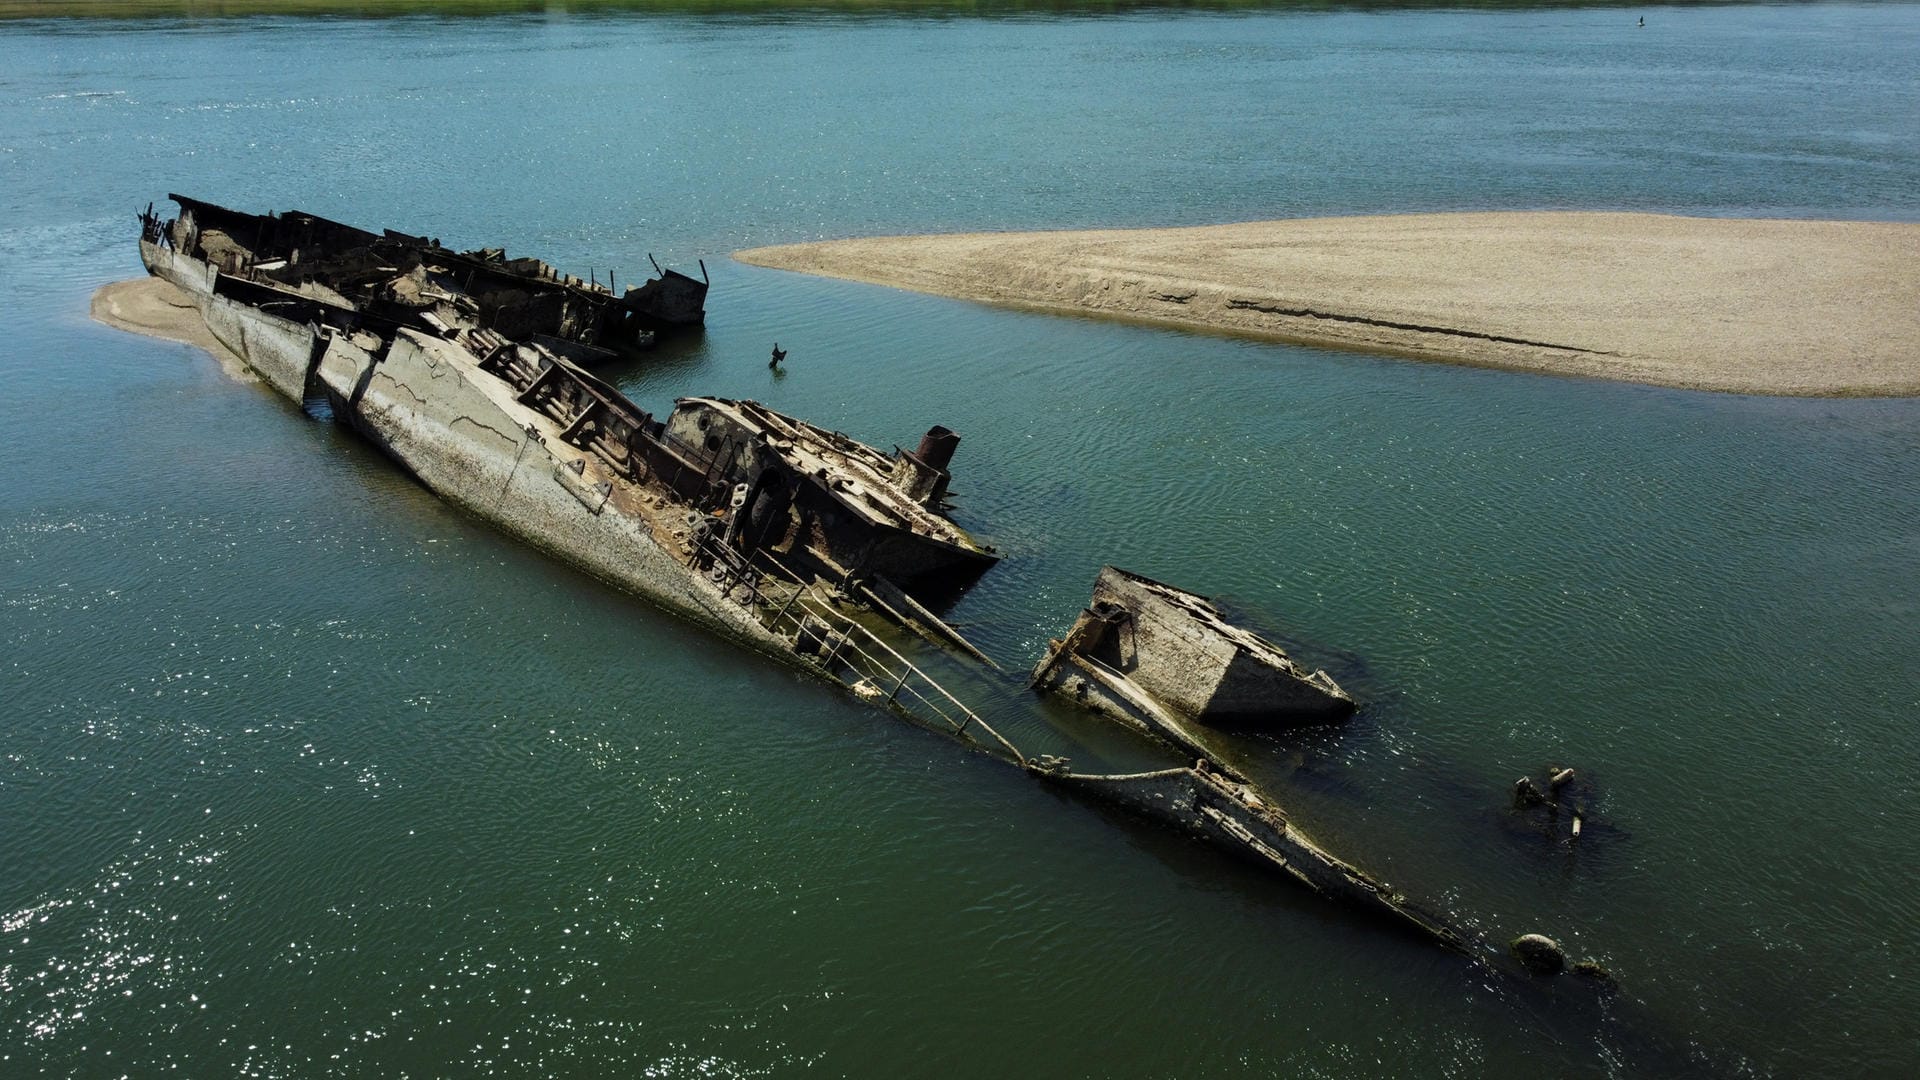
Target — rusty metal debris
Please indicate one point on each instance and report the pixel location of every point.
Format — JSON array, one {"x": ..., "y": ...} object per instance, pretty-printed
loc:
[{"x": 1562, "y": 812}]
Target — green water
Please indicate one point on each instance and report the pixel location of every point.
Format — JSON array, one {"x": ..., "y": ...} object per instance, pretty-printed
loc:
[{"x": 303, "y": 774}]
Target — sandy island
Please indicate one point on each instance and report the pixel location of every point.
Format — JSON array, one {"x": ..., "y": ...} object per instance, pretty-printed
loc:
[
  {"x": 1828, "y": 308},
  {"x": 158, "y": 308}
]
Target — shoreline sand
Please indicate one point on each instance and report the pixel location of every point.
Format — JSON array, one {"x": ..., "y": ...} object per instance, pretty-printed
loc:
[
  {"x": 1804, "y": 308},
  {"x": 157, "y": 308}
]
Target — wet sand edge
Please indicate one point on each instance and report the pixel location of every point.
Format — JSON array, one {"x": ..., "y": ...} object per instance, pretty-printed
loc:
[{"x": 1803, "y": 308}]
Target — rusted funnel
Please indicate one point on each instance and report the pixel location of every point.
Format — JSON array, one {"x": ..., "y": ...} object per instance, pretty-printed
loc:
[{"x": 936, "y": 448}]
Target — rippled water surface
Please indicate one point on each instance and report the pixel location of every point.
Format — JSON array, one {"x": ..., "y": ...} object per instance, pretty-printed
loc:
[{"x": 302, "y": 773}]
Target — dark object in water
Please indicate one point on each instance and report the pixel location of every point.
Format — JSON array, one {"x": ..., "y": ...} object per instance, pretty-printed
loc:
[
  {"x": 1539, "y": 954},
  {"x": 1594, "y": 970},
  {"x": 1561, "y": 811}
]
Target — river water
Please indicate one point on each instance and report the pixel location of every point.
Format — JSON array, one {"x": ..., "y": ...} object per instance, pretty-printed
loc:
[{"x": 304, "y": 774}]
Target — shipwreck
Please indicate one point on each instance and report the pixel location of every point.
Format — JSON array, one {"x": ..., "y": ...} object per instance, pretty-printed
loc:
[{"x": 469, "y": 370}]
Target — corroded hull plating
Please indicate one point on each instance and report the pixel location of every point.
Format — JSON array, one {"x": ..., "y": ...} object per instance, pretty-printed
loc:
[
  {"x": 191, "y": 275},
  {"x": 415, "y": 281},
  {"x": 1232, "y": 815},
  {"x": 1165, "y": 661},
  {"x": 425, "y": 404}
]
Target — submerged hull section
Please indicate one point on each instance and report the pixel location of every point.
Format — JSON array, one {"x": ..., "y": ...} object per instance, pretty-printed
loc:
[
  {"x": 1165, "y": 660},
  {"x": 1232, "y": 815},
  {"x": 429, "y": 407}
]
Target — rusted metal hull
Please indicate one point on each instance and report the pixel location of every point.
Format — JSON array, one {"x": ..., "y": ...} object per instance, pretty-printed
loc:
[
  {"x": 1166, "y": 661},
  {"x": 417, "y": 282},
  {"x": 672, "y": 301}
]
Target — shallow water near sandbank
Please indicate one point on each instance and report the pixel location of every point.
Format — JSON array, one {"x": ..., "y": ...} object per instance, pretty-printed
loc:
[{"x": 305, "y": 774}]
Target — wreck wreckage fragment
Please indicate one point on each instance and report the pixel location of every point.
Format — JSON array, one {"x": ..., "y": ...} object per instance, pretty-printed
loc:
[
  {"x": 1165, "y": 661},
  {"x": 756, "y": 525}
]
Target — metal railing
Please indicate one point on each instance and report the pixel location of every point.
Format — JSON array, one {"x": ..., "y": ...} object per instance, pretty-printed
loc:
[{"x": 874, "y": 669}]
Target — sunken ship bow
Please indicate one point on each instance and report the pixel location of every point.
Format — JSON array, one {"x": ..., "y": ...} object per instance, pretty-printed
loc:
[{"x": 414, "y": 281}]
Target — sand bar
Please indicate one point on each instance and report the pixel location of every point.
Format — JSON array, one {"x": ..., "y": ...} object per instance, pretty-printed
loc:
[
  {"x": 157, "y": 308},
  {"x": 1825, "y": 308}
]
